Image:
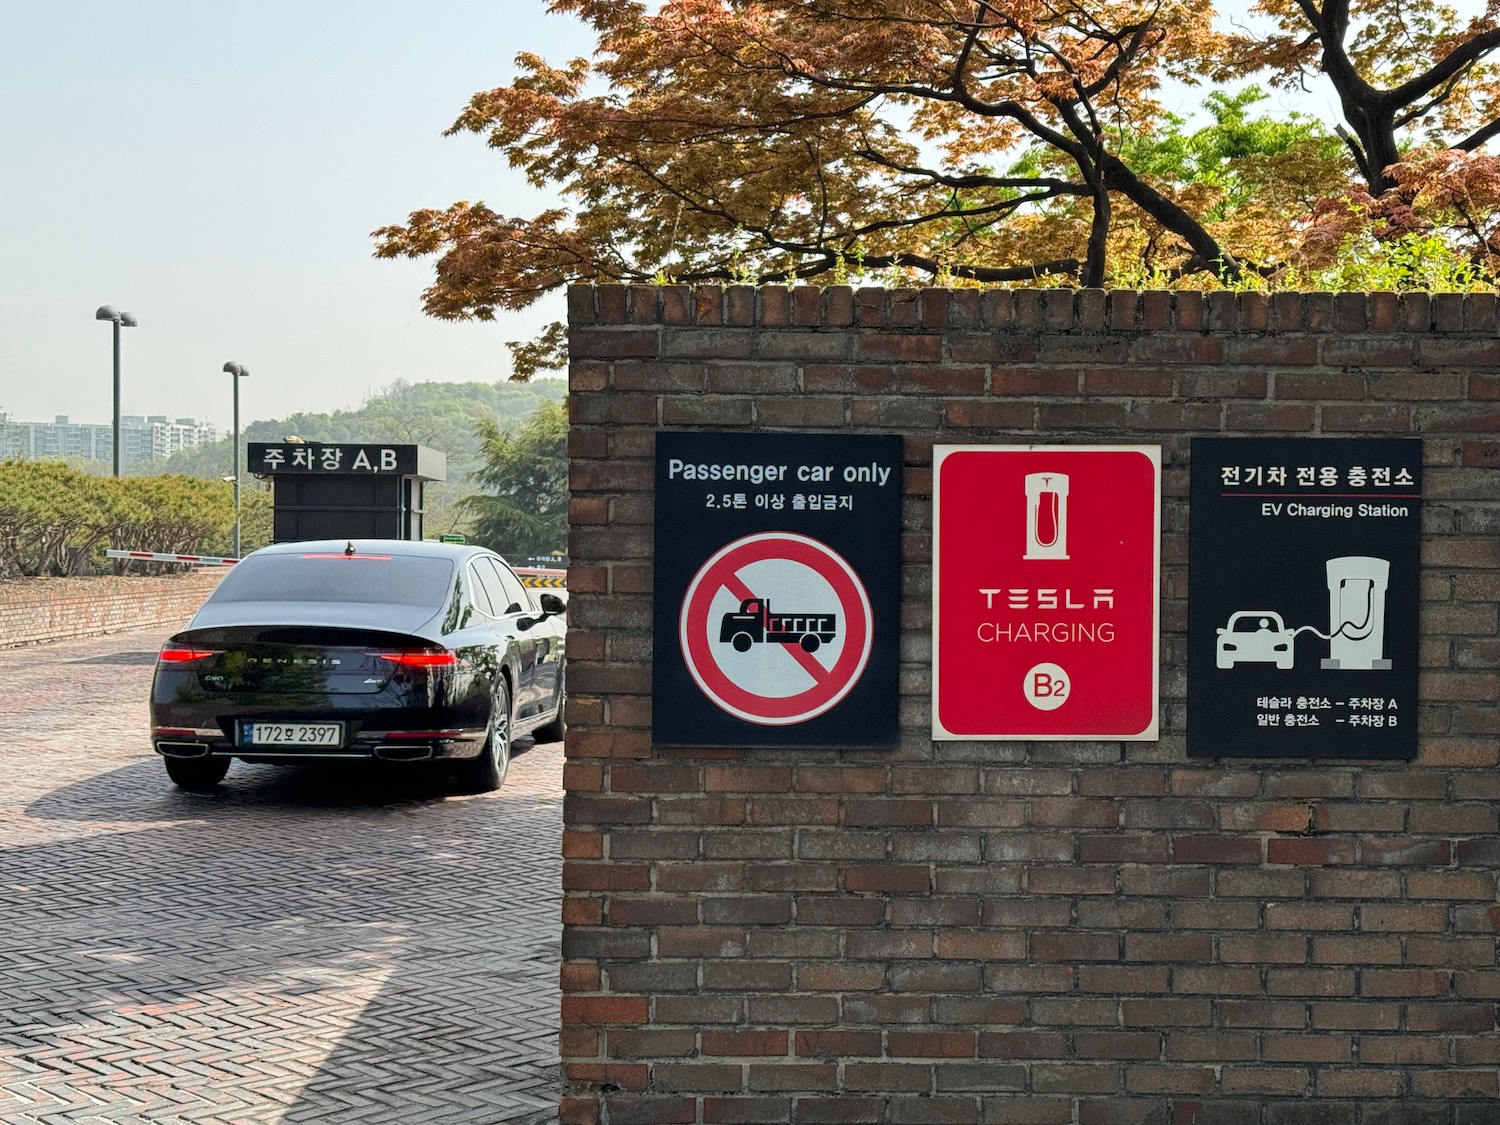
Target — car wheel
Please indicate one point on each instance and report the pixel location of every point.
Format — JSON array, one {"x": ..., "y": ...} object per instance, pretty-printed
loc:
[
  {"x": 197, "y": 775},
  {"x": 552, "y": 730},
  {"x": 486, "y": 773}
]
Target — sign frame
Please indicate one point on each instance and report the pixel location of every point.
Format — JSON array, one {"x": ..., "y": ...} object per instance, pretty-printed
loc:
[
  {"x": 776, "y": 621},
  {"x": 332, "y": 458},
  {"x": 1325, "y": 534},
  {"x": 1027, "y": 705}
]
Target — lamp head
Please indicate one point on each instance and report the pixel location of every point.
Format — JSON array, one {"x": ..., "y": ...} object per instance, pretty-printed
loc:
[
  {"x": 107, "y": 312},
  {"x": 236, "y": 369},
  {"x": 127, "y": 320}
]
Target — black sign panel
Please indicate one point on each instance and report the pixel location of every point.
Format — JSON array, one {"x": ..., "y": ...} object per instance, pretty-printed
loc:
[
  {"x": 275, "y": 458},
  {"x": 1303, "y": 596},
  {"x": 777, "y": 589}
]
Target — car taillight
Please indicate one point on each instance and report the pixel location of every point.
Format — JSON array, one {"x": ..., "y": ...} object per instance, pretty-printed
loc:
[
  {"x": 440, "y": 658},
  {"x": 181, "y": 654}
]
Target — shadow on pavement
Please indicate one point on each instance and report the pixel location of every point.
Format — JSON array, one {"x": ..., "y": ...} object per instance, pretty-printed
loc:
[
  {"x": 141, "y": 791},
  {"x": 117, "y": 658},
  {"x": 309, "y": 944}
]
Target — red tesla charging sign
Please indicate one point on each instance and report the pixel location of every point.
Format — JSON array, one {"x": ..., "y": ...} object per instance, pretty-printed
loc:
[{"x": 1045, "y": 591}]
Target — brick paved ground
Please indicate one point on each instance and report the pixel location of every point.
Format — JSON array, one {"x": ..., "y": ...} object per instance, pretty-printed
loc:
[{"x": 306, "y": 946}]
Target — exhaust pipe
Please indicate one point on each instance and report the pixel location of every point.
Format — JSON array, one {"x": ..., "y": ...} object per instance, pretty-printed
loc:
[
  {"x": 182, "y": 749},
  {"x": 403, "y": 753}
]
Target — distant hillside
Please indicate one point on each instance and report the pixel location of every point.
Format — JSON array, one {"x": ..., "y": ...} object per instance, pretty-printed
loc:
[{"x": 439, "y": 415}]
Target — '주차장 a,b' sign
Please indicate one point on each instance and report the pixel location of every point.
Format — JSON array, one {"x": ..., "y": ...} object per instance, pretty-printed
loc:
[
  {"x": 1302, "y": 597},
  {"x": 1045, "y": 579},
  {"x": 777, "y": 590}
]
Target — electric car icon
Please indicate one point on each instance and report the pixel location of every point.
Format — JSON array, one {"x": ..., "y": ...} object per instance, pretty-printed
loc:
[{"x": 1255, "y": 636}]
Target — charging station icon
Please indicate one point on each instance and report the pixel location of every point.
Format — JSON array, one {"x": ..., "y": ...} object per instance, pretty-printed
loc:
[
  {"x": 1356, "y": 623},
  {"x": 1356, "y": 613}
]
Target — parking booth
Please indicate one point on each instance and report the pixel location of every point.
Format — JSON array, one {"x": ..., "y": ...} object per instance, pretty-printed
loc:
[{"x": 355, "y": 490}]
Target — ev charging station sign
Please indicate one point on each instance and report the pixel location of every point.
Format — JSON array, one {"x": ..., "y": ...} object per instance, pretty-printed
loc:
[
  {"x": 1045, "y": 592},
  {"x": 1303, "y": 561},
  {"x": 777, "y": 590}
]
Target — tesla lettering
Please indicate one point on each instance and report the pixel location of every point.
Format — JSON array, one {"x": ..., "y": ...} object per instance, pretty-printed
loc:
[{"x": 1049, "y": 598}]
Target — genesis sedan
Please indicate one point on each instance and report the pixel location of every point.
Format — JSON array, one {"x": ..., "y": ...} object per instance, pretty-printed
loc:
[{"x": 364, "y": 649}]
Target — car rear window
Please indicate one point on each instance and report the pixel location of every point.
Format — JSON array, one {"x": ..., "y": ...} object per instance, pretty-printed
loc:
[{"x": 382, "y": 579}]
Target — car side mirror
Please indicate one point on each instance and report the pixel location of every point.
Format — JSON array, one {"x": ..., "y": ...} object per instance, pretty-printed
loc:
[{"x": 552, "y": 606}]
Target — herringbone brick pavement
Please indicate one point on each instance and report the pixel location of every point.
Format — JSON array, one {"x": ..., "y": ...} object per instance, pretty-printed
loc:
[{"x": 309, "y": 945}]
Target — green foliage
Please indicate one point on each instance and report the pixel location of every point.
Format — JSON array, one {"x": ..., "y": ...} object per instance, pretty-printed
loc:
[
  {"x": 45, "y": 507},
  {"x": 176, "y": 514},
  {"x": 255, "y": 521},
  {"x": 1228, "y": 155},
  {"x": 1419, "y": 261},
  {"x": 439, "y": 415},
  {"x": 55, "y": 520},
  {"x": 524, "y": 508}
]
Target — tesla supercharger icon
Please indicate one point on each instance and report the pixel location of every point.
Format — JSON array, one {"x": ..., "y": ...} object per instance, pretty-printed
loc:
[
  {"x": 1046, "y": 538},
  {"x": 1046, "y": 516}
]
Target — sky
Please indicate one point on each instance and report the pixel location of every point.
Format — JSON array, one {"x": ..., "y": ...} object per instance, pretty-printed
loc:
[{"x": 217, "y": 169}]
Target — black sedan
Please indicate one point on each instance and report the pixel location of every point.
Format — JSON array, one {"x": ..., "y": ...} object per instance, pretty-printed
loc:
[{"x": 363, "y": 649}]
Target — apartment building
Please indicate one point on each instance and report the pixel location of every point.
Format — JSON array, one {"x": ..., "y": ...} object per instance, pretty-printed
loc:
[{"x": 143, "y": 438}]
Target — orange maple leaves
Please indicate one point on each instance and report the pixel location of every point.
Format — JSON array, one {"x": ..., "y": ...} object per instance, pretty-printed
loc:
[{"x": 979, "y": 140}]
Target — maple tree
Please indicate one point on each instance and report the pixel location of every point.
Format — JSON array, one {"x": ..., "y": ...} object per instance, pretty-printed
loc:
[
  {"x": 963, "y": 141},
  {"x": 1402, "y": 72},
  {"x": 1395, "y": 65}
]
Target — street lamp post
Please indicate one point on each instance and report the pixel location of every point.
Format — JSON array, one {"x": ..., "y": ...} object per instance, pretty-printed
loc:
[
  {"x": 239, "y": 371},
  {"x": 120, "y": 320}
]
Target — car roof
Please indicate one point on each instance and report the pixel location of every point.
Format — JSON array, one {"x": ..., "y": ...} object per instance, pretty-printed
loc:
[{"x": 420, "y": 548}]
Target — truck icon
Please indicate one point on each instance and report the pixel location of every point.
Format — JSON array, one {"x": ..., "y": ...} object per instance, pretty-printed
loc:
[{"x": 756, "y": 624}]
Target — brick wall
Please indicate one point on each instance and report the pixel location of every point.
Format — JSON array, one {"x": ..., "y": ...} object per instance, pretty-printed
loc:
[
  {"x": 1029, "y": 932},
  {"x": 33, "y": 610}
]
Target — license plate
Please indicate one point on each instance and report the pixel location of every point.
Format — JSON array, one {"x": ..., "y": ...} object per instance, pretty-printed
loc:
[{"x": 291, "y": 734}]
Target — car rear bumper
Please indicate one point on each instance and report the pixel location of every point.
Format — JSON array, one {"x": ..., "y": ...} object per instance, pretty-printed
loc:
[{"x": 389, "y": 746}]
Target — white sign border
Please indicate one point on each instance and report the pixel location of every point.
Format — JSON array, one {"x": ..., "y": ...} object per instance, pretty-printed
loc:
[{"x": 1152, "y": 732}]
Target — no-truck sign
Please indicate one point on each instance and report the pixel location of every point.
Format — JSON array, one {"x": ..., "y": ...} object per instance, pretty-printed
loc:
[
  {"x": 776, "y": 589},
  {"x": 776, "y": 628}
]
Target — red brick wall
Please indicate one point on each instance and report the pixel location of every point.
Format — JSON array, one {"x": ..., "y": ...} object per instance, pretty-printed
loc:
[
  {"x": 1043, "y": 932},
  {"x": 49, "y": 609}
]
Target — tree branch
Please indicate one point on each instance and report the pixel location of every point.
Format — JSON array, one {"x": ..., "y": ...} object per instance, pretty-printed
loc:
[
  {"x": 1464, "y": 55},
  {"x": 1480, "y": 136}
]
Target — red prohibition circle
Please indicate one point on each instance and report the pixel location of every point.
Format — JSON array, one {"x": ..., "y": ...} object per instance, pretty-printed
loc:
[{"x": 721, "y": 571}]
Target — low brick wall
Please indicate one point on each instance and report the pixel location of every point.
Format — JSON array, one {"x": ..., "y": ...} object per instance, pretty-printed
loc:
[
  {"x": 1047, "y": 932},
  {"x": 34, "y": 610}
]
